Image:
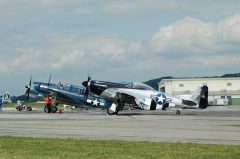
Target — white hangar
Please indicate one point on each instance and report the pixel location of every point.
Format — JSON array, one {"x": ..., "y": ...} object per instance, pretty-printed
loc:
[{"x": 221, "y": 91}]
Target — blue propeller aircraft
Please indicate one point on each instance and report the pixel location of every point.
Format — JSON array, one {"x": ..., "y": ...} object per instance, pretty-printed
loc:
[{"x": 66, "y": 94}]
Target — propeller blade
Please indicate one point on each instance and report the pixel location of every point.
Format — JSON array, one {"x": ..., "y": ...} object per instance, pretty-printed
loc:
[
  {"x": 28, "y": 88},
  {"x": 87, "y": 85},
  {"x": 30, "y": 81},
  {"x": 28, "y": 92},
  {"x": 49, "y": 79}
]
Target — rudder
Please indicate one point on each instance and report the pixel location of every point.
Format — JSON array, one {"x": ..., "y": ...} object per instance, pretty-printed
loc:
[{"x": 203, "y": 103}]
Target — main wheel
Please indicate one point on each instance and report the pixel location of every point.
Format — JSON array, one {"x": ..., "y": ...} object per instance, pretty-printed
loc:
[
  {"x": 54, "y": 109},
  {"x": 45, "y": 109},
  {"x": 110, "y": 112}
]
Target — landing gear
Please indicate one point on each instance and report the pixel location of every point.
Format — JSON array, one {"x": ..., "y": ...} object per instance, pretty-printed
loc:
[
  {"x": 53, "y": 109},
  {"x": 178, "y": 112},
  {"x": 117, "y": 105},
  {"x": 110, "y": 112},
  {"x": 45, "y": 109}
]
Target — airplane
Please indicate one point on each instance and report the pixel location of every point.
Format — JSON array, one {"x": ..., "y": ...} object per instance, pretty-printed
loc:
[
  {"x": 141, "y": 96},
  {"x": 67, "y": 94}
]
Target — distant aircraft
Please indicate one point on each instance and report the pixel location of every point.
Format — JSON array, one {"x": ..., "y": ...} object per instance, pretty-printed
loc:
[
  {"x": 65, "y": 94},
  {"x": 144, "y": 97}
]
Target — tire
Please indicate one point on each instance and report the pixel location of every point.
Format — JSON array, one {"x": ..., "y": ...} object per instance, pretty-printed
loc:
[
  {"x": 45, "y": 109},
  {"x": 110, "y": 112},
  {"x": 178, "y": 112},
  {"x": 29, "y": 109},
  {"x": 54, "y": 109}
]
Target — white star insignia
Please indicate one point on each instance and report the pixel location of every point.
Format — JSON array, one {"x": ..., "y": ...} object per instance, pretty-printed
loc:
[
  {"x": 161, "y": 98},
  {"x": 95, "y": 102}
]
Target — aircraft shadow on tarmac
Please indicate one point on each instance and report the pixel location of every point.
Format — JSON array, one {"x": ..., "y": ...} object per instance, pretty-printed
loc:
[{"x": 155, "y": 113}]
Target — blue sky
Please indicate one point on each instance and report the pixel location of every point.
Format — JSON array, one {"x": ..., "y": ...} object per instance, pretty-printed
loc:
[{"x": 116, "y": 40}]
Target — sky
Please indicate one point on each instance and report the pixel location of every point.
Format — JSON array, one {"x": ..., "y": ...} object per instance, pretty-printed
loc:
[{"x": 116, "y": 40}]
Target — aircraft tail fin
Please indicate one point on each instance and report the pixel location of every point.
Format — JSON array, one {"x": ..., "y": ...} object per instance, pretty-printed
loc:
[
  {"x": 203, "y": 103},
  {"x": 200, "y": 95}
]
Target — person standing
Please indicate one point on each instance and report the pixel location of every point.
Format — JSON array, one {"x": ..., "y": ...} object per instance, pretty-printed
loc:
[
  {"x": 48, "y": 102},
  {"x": 1, "y": 104}
]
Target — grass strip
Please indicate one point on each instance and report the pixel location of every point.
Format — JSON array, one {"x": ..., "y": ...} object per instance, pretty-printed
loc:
[{"x": 54, "y": 148}]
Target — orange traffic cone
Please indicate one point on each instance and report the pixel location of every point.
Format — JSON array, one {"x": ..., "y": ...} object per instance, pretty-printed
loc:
[{"x": 60, "y": 111}]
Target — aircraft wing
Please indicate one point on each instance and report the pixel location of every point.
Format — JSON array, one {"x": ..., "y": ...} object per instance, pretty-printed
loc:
[
  {"x": 130, "y": 96},
  {"x": 65, "y": 97}
]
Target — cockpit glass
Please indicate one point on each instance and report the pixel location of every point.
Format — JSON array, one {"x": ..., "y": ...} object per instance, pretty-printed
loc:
[
  {"x": 66, "y": 87},
  {"x": 139, "y": 85}
]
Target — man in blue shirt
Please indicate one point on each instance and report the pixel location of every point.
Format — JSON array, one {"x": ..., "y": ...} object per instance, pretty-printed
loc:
[{"x": 0, "y": 104}]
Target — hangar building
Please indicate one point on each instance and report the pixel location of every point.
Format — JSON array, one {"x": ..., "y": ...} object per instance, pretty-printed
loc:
[{"x": 221, "y": 91}]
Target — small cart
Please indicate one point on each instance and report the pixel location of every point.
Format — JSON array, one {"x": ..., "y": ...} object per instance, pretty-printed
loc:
[{"x": 21, "y": 107}]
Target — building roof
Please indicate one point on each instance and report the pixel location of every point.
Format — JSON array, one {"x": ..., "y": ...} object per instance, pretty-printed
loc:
[{"x": 201, "y": 79}]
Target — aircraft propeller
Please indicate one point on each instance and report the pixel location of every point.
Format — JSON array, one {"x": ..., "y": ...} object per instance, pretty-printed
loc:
[
  {"x": 87, "y": 85},
  {"x": 28, "y": 88},
  {"x": 49, "y": 79}
]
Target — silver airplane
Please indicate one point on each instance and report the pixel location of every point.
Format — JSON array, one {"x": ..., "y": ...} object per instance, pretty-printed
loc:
[{"x": 141, "y": 96}]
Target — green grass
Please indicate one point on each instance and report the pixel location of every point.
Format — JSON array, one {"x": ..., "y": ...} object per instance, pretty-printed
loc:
[
  {"x": 38, "y": 148},
  {"x": 236, "y": 101}
]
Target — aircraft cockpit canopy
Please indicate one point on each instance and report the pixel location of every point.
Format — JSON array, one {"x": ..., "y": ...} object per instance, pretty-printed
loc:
[
  {"x": 139, "y": 85},
  {"x": 71, "y": 88}
]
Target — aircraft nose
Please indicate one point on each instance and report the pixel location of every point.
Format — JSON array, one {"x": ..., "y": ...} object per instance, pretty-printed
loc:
[{"x": 85, "y": 83}]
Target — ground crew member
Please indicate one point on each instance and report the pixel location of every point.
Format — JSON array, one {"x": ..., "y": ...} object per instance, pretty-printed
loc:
[
  {"x": 48, "y": 102},
  {"x": 0, "y": 104}
]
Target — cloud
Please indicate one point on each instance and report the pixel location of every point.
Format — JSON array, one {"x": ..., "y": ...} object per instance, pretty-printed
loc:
[
  {"x": 187, "y": 47},
  {"x": 192, "y": 47},
  {"x": 113, "y": 48},
  {"x": 27, "y": 60},
  {"x": 70, "y": 53},
  {"x": 192, "y": 43},
  {"x": 230, "y": 30},
  {"x": 117, "y": 39},
  {"x": 104, "y": 46},
  {"x": 67, "y": 59},
  {"x": 193, "y": 37}
]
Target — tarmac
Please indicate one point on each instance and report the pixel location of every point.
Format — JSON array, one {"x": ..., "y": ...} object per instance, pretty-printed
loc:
[{"x": 214, "y": 125}]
